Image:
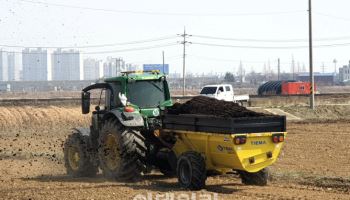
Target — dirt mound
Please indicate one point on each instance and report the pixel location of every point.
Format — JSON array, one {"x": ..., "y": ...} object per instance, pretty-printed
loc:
[
  {"x": 32, "y": 117},
  {"x": 210, "y": 106}
]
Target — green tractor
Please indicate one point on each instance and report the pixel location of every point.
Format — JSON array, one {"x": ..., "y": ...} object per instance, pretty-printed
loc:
[
  {"x": 135, "y": 131},
  {"x": 122, "y": 139}
]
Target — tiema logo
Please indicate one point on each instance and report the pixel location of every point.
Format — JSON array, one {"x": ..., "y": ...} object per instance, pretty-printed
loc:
[{"x": 258, "y": 142}]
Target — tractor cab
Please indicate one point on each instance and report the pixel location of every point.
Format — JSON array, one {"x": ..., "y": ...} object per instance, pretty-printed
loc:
[{"x": 129, "y": 96}]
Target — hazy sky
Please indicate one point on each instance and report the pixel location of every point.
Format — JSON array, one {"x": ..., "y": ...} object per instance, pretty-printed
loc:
[{"x": 254, "y": 23}]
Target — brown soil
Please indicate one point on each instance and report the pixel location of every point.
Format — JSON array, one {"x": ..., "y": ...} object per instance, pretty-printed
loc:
[
  {"x": 314, "y": 163},
  {"x": 211, "y": 106},
  {"x": 321, "y": 112}
]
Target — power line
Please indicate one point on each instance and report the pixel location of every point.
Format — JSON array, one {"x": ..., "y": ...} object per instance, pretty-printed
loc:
[
  {"x": 270, "y": 40},
  {"x": 244, "y": 61},
  {"x": 178, "y": 57},
  {"x": 95, "y": 46},
  {"x": 162, "y": 13},
  {"x": 131, "y": 49},
  {"x": 102, "y": 52},
  {"x": 226, "y": 60},
  {"x": 174, "y": 36},
  {"x": 269, "y": 47},
  {"x": 331, "y": 16},
  {"x": 221, "y": 59}
]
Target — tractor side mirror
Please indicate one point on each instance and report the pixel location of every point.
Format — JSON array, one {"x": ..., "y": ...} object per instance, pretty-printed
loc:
[
  {"x": 85, "y": 102},
  {"x": 166, "y": 89}
]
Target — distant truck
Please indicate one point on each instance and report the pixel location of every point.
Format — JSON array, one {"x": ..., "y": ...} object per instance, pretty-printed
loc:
[
  {"x": 290, "y": 87},
  {"x": 223, "y": 92}
]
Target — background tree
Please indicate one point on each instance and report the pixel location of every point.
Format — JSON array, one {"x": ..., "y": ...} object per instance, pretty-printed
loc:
[{"x": 229, "y": 77}]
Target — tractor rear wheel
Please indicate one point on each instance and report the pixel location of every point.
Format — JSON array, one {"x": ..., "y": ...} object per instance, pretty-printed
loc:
[
  {"x": 77, "y": 158},
  {"x": 122, "y": 152},
  {"x": 191, "y": 170},
  {"x": 259, "y": 178}
]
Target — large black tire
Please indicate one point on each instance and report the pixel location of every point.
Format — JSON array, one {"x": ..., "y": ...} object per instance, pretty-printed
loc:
[
  {"x": 122, "y": 152},
  {"x": 78, "y": 158},
  {"x": 191, "y": 170},
  {"x": 166, "y": 163},
  {"x": 259, "y": 178}
]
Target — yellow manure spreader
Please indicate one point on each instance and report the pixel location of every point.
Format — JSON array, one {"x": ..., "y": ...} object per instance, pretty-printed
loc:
[
  {"x": 204, "y": 143},
  {"x": 136, "y": 128}
]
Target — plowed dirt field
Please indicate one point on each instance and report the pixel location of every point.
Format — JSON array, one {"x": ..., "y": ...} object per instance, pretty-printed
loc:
[{"x": 314, "y": 163}]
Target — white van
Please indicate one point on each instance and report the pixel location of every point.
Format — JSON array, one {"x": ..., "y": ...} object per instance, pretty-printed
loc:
[{"x": 223, "y": 92}]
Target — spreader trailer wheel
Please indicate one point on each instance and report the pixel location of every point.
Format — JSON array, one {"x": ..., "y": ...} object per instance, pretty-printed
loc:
[
  {"x": 259, "y": 178},
  {"x": 191, "y": 170}
]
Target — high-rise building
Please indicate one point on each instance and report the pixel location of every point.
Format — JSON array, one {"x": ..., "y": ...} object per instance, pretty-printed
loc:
[
  {"x": 14, "y": 66},
  {"x": 344, "y": 73},
  {"x": 36, "y": 65},
  {"x": 67, "y": 65},
  {"x": 113, "y": 67},
  {"x": 3, "y": 66},
  {"x": 93, "y": 69}
]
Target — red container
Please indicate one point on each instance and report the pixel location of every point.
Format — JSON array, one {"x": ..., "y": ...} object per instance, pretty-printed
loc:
[{"x": 292, "y": 88}]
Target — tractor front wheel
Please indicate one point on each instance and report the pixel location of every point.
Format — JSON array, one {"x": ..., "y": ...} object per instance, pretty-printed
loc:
[
  {"x": 77, "y": 158},
  {"x": 122, "y": 152},
  {"x": 191, "y": 170}
]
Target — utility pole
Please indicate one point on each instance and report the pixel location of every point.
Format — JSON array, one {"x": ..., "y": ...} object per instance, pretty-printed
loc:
[
  {"x": 184, "y": 42},
  {"x": 312, "y": 81},
  {"x": 293, "y": 68},
  {"x": 278, "y": 69},
  {"x": 269, "y": 71},
  {"x": 163, "y": 62},
  {"x": 241, "y": 72},
  {"x": 323, "y": 68},
  {"x": 335, "y": 66},
  {"x": 265, "y": 72}
]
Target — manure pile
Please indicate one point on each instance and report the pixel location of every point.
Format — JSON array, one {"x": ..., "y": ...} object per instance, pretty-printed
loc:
[{"x": 210, "y": 106}]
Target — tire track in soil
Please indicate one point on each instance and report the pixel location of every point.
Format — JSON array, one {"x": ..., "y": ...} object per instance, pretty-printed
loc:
[
  {"x": 51, "y": 118},
  {"x": 330, "y": 189},
  {"x": 290, "y": 192},
  {"x": 23, "y": 115},
  {"x": 17, "y": 115},
  {"x": 56, "y": 114},
  {"x": 3, "y": 120},
  {"x": 6, "y": 117},
  {"x": 269, "y": 196}
]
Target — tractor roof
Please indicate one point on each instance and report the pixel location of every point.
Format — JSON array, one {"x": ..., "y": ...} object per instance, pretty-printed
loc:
[{"x": 137, "y": 75}]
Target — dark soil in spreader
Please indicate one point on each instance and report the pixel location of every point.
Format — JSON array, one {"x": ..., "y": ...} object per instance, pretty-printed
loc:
[{"x": 210, "y": 106}]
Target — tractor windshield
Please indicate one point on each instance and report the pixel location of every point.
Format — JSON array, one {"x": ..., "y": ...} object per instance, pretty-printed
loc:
[{"x": 146, "y": 94}]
